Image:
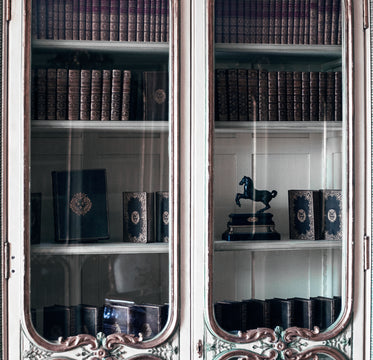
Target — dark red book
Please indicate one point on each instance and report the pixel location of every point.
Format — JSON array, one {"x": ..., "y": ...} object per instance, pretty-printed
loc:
[
  {"x": 61, "y": 104},
  {"x": 85, "y": 94},
  {"x": 242, "y": 95},
  {"x": 265, "y": 21},
  {"x": 49, "y": 18},
  {"x": 306, "y": 19},
  {"x": 313, "y": 21},
  {"x": 221, "y": 95},
  {"x": 233, "y": 94},
  {"x": 167, "y": 21},
  {"x": 253, "y": 94},
  {"x": 271, "y": 17},
  {"x": 61, "y": 20},
  {"x": 42, "y": 19},
  {"x": 116, "y": 87},
  {"x": 314, "y": 96},
  {"x": 330, "y": 95},
  {"x": 219, "y": 21},
  {"x": 320, "y": 21},
  {"x": 76, "y": 13},
  {"x": 338, "y": 96},
  {"x": 106, "y": 95},
  {"x": 328, "y": 22},
  {"x": 281, "y": 95},
  {"x": 263, "y": 95},
  {"x": 88, "y": 20},
  {"x": 278, "y": 21},
  {"x": 289, "y": 96},
  {"x": 73, "y": 94},
  {"x": 82, "y": 11},
  {"x": 302, "y": 5},
  {"x": 114, "y": 20},
  {"x": 41, "y": 94},
  {"x": 152, "y": 20},
  {"x": 291, "y": 6},
  {"x": 132, "y": 16},
  {"x": 51, "y": 93},
  {"x": 272, "y": 96},
  {"x": 297, "y": 85},
  {"x": 322, "y": 96},
  {"x": 96, "y": 15},
  {"x": 249, "y": 7},
  {"x": 68, "y": 19},
  {"x": 296, "y": 20},
  {"x": 105, "y": 20},
  {"x": 334, "y": 23},
  {"x": 123, "y": 20},
  {"x": 284, "y": 21},
  {"x": 146, "y": 20},
  {"x": 163, "y": 20},
  {"x": 126, "y": 94},
  {"x": 140, "y": 20},
  {"x": 96, "y": 89},
  {"x": 339, "y": 38},
  {"x": 305, "y": 96}
]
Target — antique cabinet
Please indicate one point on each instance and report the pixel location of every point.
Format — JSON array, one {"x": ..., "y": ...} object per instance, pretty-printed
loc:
[{"x": 186, "y": 179}]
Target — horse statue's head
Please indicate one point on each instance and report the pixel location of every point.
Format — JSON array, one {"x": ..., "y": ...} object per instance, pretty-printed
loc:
[{"x": 246, "y": 180}]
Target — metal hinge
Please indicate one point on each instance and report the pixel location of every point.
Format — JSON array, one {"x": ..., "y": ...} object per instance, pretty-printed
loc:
[
  {"x": 366, "y": 252},
  {"x": 6, "y": 260},
  {"x": 365, "y": 14},
  {"x": 199, "y": 348}
]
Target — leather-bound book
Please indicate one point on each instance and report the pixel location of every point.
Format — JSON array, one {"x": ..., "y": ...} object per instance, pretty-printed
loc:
[
  {"x": 73, "y": 94},
  {"x": 296, "y": 14},
  {"x": 157, "y": 22},
  {"x": 167, "y": 21},
  {"x": 123, "y": 20},
  {"x": 138, "y": 219},
  {"x": 338, "y": 96},
  {"x": 250, "y": 25},
  {"x": 291, "y": 19},
  {"x": 265, "y": 21},
  {"x": 61, "y": 103},
  {"x": 153, "y": 320},
  {"x": 263, "y": 95},
  {"x": 320, "y": 21},
  {"x": 255, "y": 314},
  {"x": 328, "y": 22},
  {"x": 82, "y": 11},
  {"x": 331, "y": 214},
  {"x": 253, "y": 94},
  {"x": 278, "y": 21},
  {"x": 322, "y": 96},
  {"x": 162, "y": 216},
  {"x": 96, "y": 94},
  {"x": 297, "y": 84},
  {"x": 76, "y": 12},
  {"x": 105, "y": 20},
  {"x": 49, "y": 18},
  {"x": 305, "y": 96},
  {"x": 163, "y": 20},
  {"x": 284, "y": 21},
  {"x": 226, "y": 22},
  {"x": 233, "y": 94},
  {"x": 96, "y": 15},
  {"x": 88, "y": 20},
  {"x": 116, "y": 316},
  {"x": 140, "y": 20},
  {"x": 314, "y": 96},
  {"x": 155, "y": 96},
  {"x": 34, "y": 20},
  {"x": 57, "y": 322},
  {"x": 152, "y": 20},
  {"x": 289, "y": 96},
  {"x": 303, "y": 312},
  {"x": 304, "y": 215},
  {"x": 126, "y": 94},
  {"x": 259, "y": 23},
  {"x": 243, "y": 114},
  {"x": 41, "y": 94},
  {"x": 89, "y": 319},
  {"x": 61, "y": 20},
  {"x": 106, "y": 95},
  {"x": 114, "y": 20},
  {"x": 337, "y": 307},
  {"x": 334, "y": 22},
  {"x": 313, "y": 21},
  {"x": 281, "y": 95},
  {"x": 241, "y": 21},
  {"x": 301, "y": 26},
  {"x": 272, "y": 96},
  {"x": 51, "y": 93},
  {"x": 116, "y": 89},
  {"x": 324, "y": 314},
  {"x": 42, "y": 19},
  {"x": 132, "y": 16},
  {"x": 219, "y": 21},
  {"x": 55, "y": 20},
  {"x": 80, "y": 205},
  {"x": 85, "y": 94},
  {"x": 228, "y": 315},
  {"x": 35, "y": 219},
  {"x": 306, "y": 17},
  {"x": 147, "y": 20},
  {"x": 281, "y": 312},
  {"x": 221, "y": 95},
  {"x": 68, "y": 19},
  {"x": 271, "y": 18}
]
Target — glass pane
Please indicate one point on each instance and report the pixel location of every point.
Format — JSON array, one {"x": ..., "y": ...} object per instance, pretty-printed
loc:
[
  {"x": 101, "y": 213},
  {"x": 279, "y": 164}
]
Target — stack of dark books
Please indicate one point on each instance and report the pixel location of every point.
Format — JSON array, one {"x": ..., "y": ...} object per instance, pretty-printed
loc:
[
  {"x": 278, "y": 21},
  {"x": 261, "y": 95},
  {"x": 106, "y": 20},
  {"x": 249, "y": 314}
]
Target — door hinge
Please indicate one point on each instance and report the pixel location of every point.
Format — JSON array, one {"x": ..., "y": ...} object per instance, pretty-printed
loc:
[
  {"x": 199, "y": 348},
  {"x": 366, "y": 252},
  {"x": 8, "y": 10},
  {"x": 6, "y": 260},
  {"x": 365, "y": 14}
]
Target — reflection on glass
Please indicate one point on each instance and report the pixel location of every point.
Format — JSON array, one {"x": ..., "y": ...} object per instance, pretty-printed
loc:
[{"x": 279, "y": 185}]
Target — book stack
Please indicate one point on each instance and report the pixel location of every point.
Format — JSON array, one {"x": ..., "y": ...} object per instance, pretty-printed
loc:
[
  {"x": 278, "y": 21},
  {"x": 106, "y": 20},
  {"x": 249, "y": 314},
  {"x": 261, "y": 95}
]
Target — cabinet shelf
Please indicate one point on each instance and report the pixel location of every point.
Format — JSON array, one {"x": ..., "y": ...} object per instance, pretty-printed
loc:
[
  {"x": 275, "y": 245},
  {"x": 100, "y": 249}
]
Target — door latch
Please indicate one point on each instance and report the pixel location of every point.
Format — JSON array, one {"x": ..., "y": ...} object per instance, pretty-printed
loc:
[{"x": 199, "y": 348}]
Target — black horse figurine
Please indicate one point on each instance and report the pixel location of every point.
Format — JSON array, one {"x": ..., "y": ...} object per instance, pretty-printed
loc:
[{"x": 263, "y": 196}]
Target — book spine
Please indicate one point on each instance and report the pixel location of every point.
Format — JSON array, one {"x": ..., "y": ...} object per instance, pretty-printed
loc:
[
  {"x": 152, "y": 20},
  {"x": 61, "y": 105},
  {"x": 284, "y": 21},
  {"x": 334, "y": 22},
  {"x": 289, "y": 96},
  {"x": 106, "y": 95},
  {"x": 281, "y": 95},
  {"x": 328, "y": 22},
  {"x": 132, "y": 15},
  {"x": 242, "y": 95},
  {"x": 76, "y": 13},
  {"x": 302, "y": 4},
  {"x": 96, "y": 10},
  {"x": 314, "y": 96},
  {"x": 253, "y": 94},
  {"x": 114, "y": 20},
  {"x": 272, "y": 96},
  {"x": 41, "y": 94},
  {"x": 330, "y": 96},
  {"x": 85, "y": 94},
  {"x": 233, "y": 21},
  {"x": 305, "y": 96},
  {"x": 278, "y": 21},
  {"x": 218, "y": 21},
  {"x": 162, "y": 216},
  {"x": 241, "y": 21},
  {"x": 56, "y": 20},
  {"x": 126, "y": 94},
  {"x": 140, "y": 20},
  {"x": 321, "y": 22},
  {"x": 88, "y": 20},
  {"x": 339, "y": 38},
  {"x": 42, "y": 19},
  {"x": 221, "y": 95},
  {"x": 306, "y": 22},
  {"x": 146, "y": 20},
  {"x": 258, "y": 31},
  {"x": 61, "y": 20},
  {"x": 226, "y": 24},
  {"x": 322, "y": 96},
  {"x": 105, "y": 20},
  {"x": 33, "y": 94},
  {"x": 82, "y": 11},
  {"x": 49, "y": 19},
  {"x": 155, "y": 95},
  {"x": 263, "y": 95},
  {"x": 163, "y": 20},
  {"x": 313, "y": 21},
  {"x": 35, "y": 20},
  {"x": 291, "y": 20},
  {"x": 272, "y": 18},
  {"x": 265, "y": 21},
  {"x": 96, "y": 89},
  {"x": 73, "y": 94},
  {"x": 51, "y": 94},
  {"x": 123, "y": 20},
  {"x": 296, "y": 21},
  {"x": 68, "y": 20},
  {"x": 338, "y": 96},
  {"x": 116, "y": 82},
  {"x": 297, "y": 83},
  {"x": 232, "y": 94},
  {"x": 167, "y": 20}
]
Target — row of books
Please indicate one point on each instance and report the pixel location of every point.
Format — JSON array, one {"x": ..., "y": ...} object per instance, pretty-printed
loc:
[
  {"x": 315, "y": 214},
  {"x": 278, "y": 21},
  {"x": 107, "y": 20},
  {"x": 261, "y": 95},
  {"x": 300, "y": 312},
  {"x": 97, "y": 94},
  {"x": 116, "y": 316}
]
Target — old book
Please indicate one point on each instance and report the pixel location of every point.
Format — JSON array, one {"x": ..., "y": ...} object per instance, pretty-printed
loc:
[
  {"x": 140, "y": 20},
  {"x": 304, "y": 215},
  {"x": 51, "y": 94},
  {"x": 228, "y": 315},
  {"x": 258, "y": 30},
  {"x": 68, "y": 19},
  {"x": 88, "y": 20},
  {"x": 61, "y": 103},
  {"x": 242, "y": 90},
  {"x": 73, "y": 94},
  {"x": 291, "y": 20},
  {"x": 297, "y": 86},
  {"x": 313, "y": 25},
  {"x": 162, "y": 216},
  {"x": 132, "y": 16},
  {"x": 96, "y": 94},
  {"x": 272, "y": 96},
  {"x": 41, "y": 94},
  {"x": 253, "y": 94},
  {"x": 331, "y": 214},
  {"x": 296, "y": 21},
  {"x": 263, "y": 95},
  {"x": 289, "y": 96},
  {"x": 271, "y": 21},
  {"x": 284, "y": 21},
  {"x": 324, "y": 314},
  {"x": 328, "y": 22},
  {"x": 322, "y": 96},
  {"x": 55, "y": 20},
  {"x": 61, "y": 20},
  {"x": 34, "y": 20},
  {"x": 75, "y": 19},
  {"x": 314, "y": 96},
  {"x": 33, "y": 93},
  {"x": 255, "y": 314},
  {"x": 152, "y": 20},
  {"x": 305, "y": 96},
  {"x": 114, "y": 20},
  {"x": 123, "y": 20},
  {"x": 281, "y": 312},
  {"x": 49, "y": 18},
  {"x": 147, "y": 20},
  {"x": 106, "y": 95},
  {"x": 57, "y": 322},
  {"x": 35, "y": 218},
  {"x": 116, "y": 317},
  {"x": 138, "y": 219},
  {"x": 219, "y": 21},
  {"x": 307, "y": 21},
  {"x": 163, "y": 27},
  {"x": 301, "y": 27},
  {"x": 126, "y": 94},
  {"x": 116, "y": 89},
  {"x": 155, "y": 95},
  {"x": 232, "y": 81},
  {"x": 82, "y": 12},
  {"x": 153, "y": 318},
  {"x": 249, "y": 27},
  {"x": 80, "y": 205},
  {"x": 157, "y": 23},
  {"x": 334, "y": 22},
  {"x": 320, "y": 21},
  {"x": 105, "y": 20},
  {"x": 96, "y": 15},
  {"x": 42, "y": 19},
  {"x": 278, "y": 21},
  {"x": 338, "y": 96},
  {"x": 233, "y": 15},
  {"x": 85, "y": 94},
  {"x": 303, "y": 312},
  {"x": 281, "y": 95},
  {"x": 89, "y": 319},
  {"x": 221, "y": 95},
  {"x": 265, "y": 21},
  {"x": 167, "y": 21}
]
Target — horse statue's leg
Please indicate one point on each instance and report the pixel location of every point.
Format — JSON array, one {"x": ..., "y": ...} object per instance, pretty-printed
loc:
[
  {"x": 267, "y": 206},
  {"x": 238, "y": 197}
]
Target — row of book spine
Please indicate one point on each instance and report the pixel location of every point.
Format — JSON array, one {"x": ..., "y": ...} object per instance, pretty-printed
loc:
[
  {"x": 261, "y": 95},
  {"x": 300, "y": 312},
  {"x": 107, "y": 20},
  {"x": 278, "y": 21}
]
